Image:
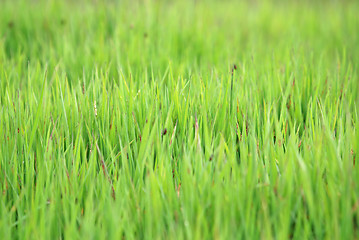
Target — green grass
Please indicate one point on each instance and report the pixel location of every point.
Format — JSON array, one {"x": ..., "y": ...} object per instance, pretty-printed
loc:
[{"x": 127, "y": 120}]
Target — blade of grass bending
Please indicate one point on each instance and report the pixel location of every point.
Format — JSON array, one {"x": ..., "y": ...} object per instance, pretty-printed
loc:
[{"x": 38, "y": 111}]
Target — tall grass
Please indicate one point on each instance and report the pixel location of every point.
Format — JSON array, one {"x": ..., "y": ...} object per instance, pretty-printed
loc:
[{"x": 179, "y": 120}]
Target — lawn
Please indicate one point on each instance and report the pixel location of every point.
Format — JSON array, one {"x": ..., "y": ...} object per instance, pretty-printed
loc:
[{"x": 187, "y": 119}]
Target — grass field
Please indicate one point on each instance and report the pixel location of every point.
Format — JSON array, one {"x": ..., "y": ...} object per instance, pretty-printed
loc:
[{"x": 179, "y": 119}]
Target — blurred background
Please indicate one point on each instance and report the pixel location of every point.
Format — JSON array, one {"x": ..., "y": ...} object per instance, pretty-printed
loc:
[{"x": 75, "y": 36}]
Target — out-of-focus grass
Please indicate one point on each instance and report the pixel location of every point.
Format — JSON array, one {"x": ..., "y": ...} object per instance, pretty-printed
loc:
[{"x": 179, "y": 119}]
